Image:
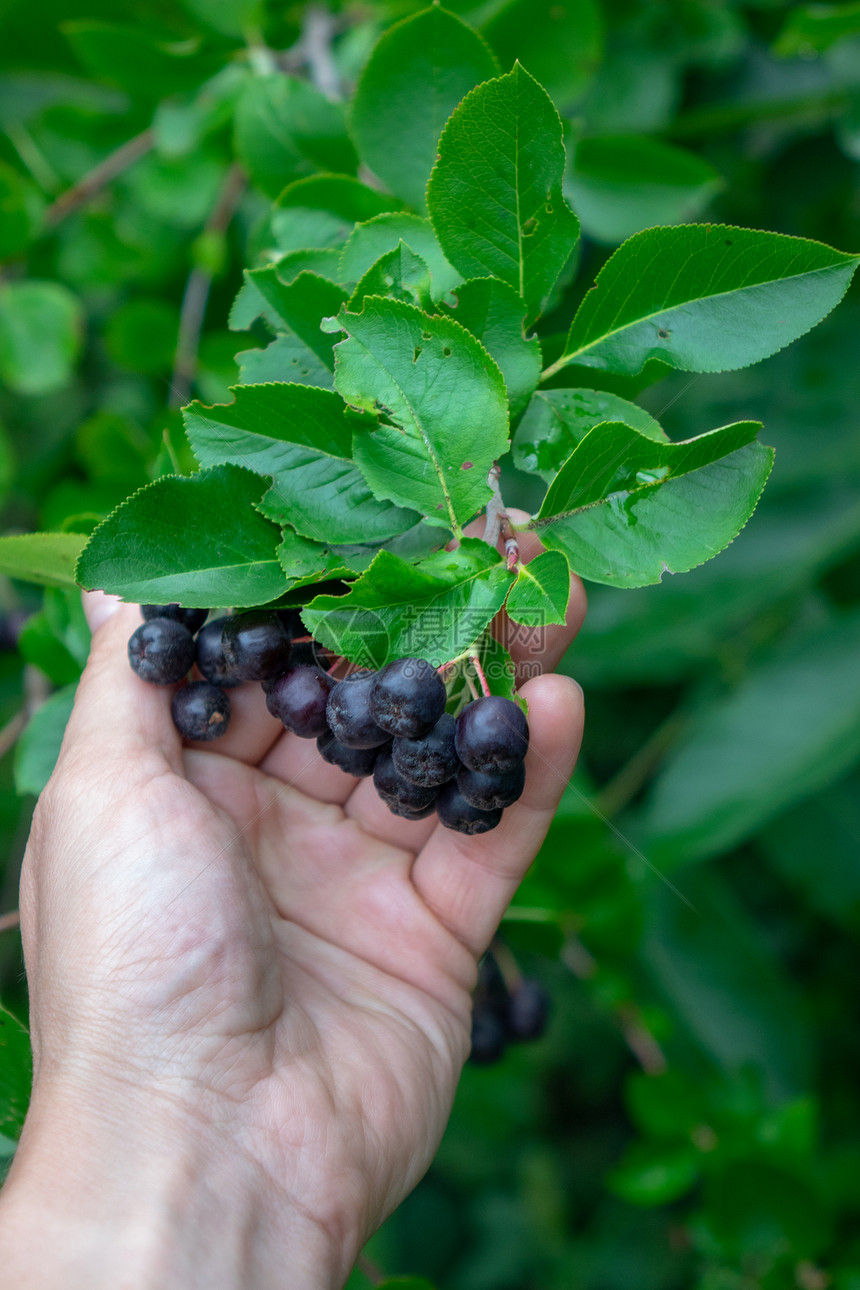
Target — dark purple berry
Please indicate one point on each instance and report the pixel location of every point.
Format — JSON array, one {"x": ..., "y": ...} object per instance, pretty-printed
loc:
[
  {"x": 256, "y": 645},
  {"x": 210, "y": 655},
  {"x": 408, "y": 697},
  {"x": 397, "y": 791},
  {"x": 432, "y": 759},
  {"x": 299, "y": 698},
  {"x": 491, "y": 992},
  {"x": 488, "y": 1037},
  {"x": 200, "y": 711},
  {"x": 193, "y": 619},
  {"x": 161, "y": 651},
  {"x": 492, "y": 734},
  {"x": 487, "y": 790},
  {"x": 355, "y": 761},
  {"x": 456, "y": 813},
  {"x": 528, "y": 1010},
  {"x": 348, "y": 712},
  {"x": 405, "y": 813}
]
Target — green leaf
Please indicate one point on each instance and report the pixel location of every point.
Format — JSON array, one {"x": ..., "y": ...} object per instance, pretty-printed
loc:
[
  {"x": 790, "y": 729},
  {"x": 16, "y": 1073},
  {"x": 39, "y": 646},
  {"x": 495, "y": 193},
  {"x": 141, "y": 335},
  {"x": 137, "y": 61},
  {"x": 541, "y": 592},
  {"x": 20, "y": 211},
  {"x": 432, "y": 610},
  {"x": 399, "y": 275},
  {"x": 614, "y": 458},
  {"x": 298, "y": 307},
  {"x": 41, "y": 332},
  {"x": 46, "y": 558},
  {"x": 286, "y": 359},
  {"x": 705, "y": 298},
  {"x": 655, "y": 1173},
  {"x": 322, "y": 210},
  {"x": 619, "y": 185},
  {"x": 417, "y": 74},
  {"x": 405, "y": 1283},
  {"x": 302, "y": 438},
  {"x": 815, "y": 27},
  {"x": 633, "y": 540},
  {"x": 285, "y": 128},
  {"x": 376, "y": 237},
  {"x": 557, "y": 420},
  {"x": 262, "y": 294},
  {"x": 38, "y": 748},
  {"x": 492, "y": 311},
  {"x": 306, "y": 561},
  {"x": 561, "y": 44},
  {"x": 827, "y": 827},
  {"x": 198, "y": 540},
  {"x": 228, "y": 17},
  {"x": 444, "y": 403}
]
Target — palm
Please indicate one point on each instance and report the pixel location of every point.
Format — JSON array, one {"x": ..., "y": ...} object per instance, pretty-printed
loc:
[{"x": 260, "y": 933}]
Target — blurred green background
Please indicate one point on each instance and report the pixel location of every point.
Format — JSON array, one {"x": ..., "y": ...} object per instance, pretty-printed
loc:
[{"x": 691, "y": 1119}]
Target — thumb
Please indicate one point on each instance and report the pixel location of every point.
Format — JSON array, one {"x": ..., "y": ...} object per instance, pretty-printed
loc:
[{"x": 118, "y": 718}]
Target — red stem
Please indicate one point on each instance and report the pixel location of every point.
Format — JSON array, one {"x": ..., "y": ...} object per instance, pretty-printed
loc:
[{"x": 473, "y": 659}]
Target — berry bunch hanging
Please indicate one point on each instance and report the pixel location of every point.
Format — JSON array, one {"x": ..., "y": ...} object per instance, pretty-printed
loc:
[{"x": 392, "y": 723}]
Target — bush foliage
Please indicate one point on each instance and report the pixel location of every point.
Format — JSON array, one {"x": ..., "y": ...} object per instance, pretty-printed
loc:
[{"x": 691, "y": 1119}]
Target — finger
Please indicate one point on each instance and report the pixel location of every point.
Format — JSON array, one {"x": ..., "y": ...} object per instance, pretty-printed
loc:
[
  {"x": 117, "y": 716},
  {"x": 468, "y": 882}
]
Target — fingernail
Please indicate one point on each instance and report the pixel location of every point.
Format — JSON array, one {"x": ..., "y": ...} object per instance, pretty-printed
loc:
[{"x": 99, "y": 607}]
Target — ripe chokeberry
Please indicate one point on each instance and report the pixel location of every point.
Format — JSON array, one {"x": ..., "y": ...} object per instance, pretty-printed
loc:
[
  {"x": 349, "y": 715},
  {"x": 528, "y": 1010},
  {"x": 456, "y": 813},
  {"x": 193, "y": 619},
  {"x": 210, "y": 655},
  {"x": 256, "y": 645},
  {"x": 396, "y": 791},
  {"x": 200, "y": 710},
  {"x": 487, "y": 790},
  {"x": 488, "y": 1036},
  {"x": 431, "y": 759},
  {"x": 161, "y": 651},
  {"x": 358, "y": 762},
  {"x": 407, "y": 697},
  {"x": 298, "y": 698},
  {"x": 492, "y": 734}
]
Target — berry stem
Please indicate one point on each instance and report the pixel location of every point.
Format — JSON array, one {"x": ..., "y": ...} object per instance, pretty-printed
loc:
[
  {"x": 301, "y": 640},
  {"x": 476, "y": 664}
]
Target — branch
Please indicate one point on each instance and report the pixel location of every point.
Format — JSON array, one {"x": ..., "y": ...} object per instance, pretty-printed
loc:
[
  {"x": 99, "y": 177},
  {"x": 497, "y": 523},
  {"x": 9, "y": 921},
  {"x": 315, "y": 44},
  {"x": 196, "y": 294},
  {"x": 11, "y": 731}
]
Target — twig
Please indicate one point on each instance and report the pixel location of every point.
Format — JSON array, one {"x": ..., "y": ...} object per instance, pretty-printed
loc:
[
  {"x": 497, "y": 523},
  {"x": 99, "y": 177},
  {"x": 319, "y": 27},
  {"x": 637, "y": 1036},
  {"x": 196, "y": 294},
  {"x": 479, "y": 671},
  {"x": 11, "y": 731},
  {"x": 10, "y": 921}
]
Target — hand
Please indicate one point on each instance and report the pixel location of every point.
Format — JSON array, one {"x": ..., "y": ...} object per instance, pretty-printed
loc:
[{"x": 249, "y": 988}]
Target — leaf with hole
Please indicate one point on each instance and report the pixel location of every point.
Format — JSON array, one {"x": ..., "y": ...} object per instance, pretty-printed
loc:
[
  {"x": 492, "y": 311},
  {"x": 495, "y": 194},
  {"x": 442, "y": 400},
  {"x": 557, "y": 420},
  {"x": 704, "y": 298}
]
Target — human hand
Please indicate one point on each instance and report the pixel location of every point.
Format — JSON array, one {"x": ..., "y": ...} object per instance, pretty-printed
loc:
[{"x": 249, "y": 988}]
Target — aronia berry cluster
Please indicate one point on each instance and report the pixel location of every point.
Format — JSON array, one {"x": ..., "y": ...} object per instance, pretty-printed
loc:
[
  {"x": 390, "y": 724},
  {"x": 505, "y": 1011}
]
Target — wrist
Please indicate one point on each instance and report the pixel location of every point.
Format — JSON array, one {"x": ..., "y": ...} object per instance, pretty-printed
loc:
[{"x": 137, "y": 1192}]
